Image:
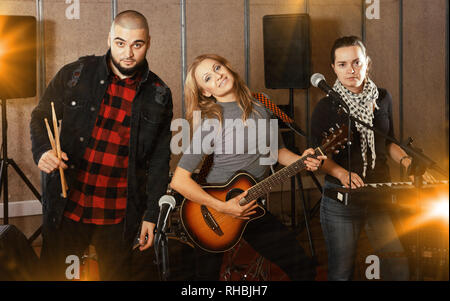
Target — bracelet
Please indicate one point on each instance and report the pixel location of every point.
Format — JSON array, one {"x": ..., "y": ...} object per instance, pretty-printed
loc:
[{"x": 404, "y": 157}]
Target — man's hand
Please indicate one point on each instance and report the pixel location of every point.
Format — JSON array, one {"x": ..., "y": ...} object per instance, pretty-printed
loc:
[
  {"x": 49, "y": 161},
  {"x": 146, "y": 231}
]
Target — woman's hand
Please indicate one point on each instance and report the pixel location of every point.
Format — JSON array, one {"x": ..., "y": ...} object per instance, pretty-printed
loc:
[
  {"x": 406, "y": 163},
  {"x": 312, "y": 164},
  {"x": 356, "y": 180},
  {"x": 185, "y": 185},
  {"x": 427, "y": 177},
  {"x": 233, "y": 208}
]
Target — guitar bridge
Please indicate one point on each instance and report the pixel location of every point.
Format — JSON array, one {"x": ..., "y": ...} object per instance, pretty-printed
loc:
[{"x": 210, "y": 221}]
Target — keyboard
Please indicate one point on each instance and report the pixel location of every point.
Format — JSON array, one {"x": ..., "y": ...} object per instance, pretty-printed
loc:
[{"x": 383, "y": 191}]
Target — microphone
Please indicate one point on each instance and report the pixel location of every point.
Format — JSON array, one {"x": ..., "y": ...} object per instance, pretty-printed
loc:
[
  {"x": 166, "y": 204},
  {"x": 318, "y": 81}
]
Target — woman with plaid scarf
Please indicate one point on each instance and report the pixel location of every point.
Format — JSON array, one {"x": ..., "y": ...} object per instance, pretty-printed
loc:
[{"x": 342, "y": 224}]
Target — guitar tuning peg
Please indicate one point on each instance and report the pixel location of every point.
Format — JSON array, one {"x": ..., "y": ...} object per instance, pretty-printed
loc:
[
  {"x": 324, "y": 135},
  {"x": 331, "y": 130},
  {"x": 337, "y": 126}
]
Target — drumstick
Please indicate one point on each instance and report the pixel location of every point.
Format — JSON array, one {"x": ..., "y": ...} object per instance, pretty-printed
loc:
[
  {"x": 58, "y": 151},
  {"x": 52, "y": 140},
  {"x": 50, "y": 135}
]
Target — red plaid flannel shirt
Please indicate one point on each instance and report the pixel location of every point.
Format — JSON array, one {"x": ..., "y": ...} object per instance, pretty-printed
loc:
[{"x": 99, "y": 195}]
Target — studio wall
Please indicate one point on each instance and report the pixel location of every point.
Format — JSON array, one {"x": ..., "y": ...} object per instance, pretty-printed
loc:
[{"x": 217, "y": 26}]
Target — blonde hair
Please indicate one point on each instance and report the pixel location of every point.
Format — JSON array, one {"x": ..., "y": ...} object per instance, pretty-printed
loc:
[{"x": 196, "y": 101}]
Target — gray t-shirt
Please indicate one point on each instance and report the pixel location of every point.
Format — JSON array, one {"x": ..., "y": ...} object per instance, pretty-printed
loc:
[{"x": 236, "y": 147}]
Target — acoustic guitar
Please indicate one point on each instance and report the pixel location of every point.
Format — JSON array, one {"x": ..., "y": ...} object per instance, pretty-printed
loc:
[{"x": 218, "y": 232}]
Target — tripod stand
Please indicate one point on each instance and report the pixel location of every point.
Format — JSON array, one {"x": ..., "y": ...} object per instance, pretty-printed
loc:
[
  {"x": 306, "y": 211},
  {"x": 5, "y": 161}
]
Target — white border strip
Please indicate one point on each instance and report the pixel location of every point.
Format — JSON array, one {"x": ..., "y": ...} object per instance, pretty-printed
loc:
[{"x": 22, "y": 208}]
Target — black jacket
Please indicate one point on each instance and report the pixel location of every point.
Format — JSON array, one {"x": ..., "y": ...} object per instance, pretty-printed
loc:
[{"x": 77, "y": 91}]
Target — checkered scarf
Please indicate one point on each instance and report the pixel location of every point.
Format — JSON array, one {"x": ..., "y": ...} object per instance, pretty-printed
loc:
[{"x": 362, "y": 106}]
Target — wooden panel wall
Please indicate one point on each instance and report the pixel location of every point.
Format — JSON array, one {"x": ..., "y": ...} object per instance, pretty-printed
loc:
[
  {"x": 424, "y": 72},
  {"x": 218, "y": 26}
]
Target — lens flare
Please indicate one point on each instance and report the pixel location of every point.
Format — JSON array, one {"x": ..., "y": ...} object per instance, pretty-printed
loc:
[
  {"x": 439, "y": 209},
  {"x": 17, "y": 56},
  {"x": 2, "y": 52}
]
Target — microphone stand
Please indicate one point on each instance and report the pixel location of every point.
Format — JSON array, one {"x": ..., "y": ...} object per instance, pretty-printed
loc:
[
  {"x": 161, "y": 247},
  {"x": 165, "y": 257},
  {"x": 161, "y": 250},
  {"x": 417, "y": 155},
  {"x": 339, "y": 103}
]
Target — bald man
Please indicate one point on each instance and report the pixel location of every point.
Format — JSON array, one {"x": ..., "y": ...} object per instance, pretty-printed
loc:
[{"x": 115, "y": 136}]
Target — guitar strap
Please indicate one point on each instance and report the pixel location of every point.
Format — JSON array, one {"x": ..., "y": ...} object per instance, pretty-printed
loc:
[
  {"x": 263, "y": 99},
  {"x": 204, "y": 171}
]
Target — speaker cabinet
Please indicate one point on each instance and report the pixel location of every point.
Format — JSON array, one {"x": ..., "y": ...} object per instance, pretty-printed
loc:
[
  {"x": 18, "y": 261},
  {"x": 287, "y": 51}
]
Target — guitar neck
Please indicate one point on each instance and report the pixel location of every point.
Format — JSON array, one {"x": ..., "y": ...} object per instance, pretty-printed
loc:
[{"x": 280, "y": 176}]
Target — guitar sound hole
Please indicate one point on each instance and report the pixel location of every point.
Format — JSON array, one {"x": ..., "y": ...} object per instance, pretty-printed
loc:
[{"x": 233, "y": 193}]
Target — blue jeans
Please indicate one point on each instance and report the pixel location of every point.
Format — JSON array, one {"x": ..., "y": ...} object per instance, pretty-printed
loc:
[{"x": 341, "y": 226}]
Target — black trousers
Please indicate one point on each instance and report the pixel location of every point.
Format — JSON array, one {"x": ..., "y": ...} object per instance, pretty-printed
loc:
[
  {"x": 72, "y": 238},
  {"x": 271, "y": 239}
]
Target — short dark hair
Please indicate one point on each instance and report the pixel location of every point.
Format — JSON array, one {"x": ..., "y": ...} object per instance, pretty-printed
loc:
[
  {"x": 131, "y": 19},
  {"x": 346, "y": 42}
]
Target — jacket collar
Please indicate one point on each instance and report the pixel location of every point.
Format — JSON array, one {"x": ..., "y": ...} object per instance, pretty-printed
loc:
[{"x": 105, "y": 70}]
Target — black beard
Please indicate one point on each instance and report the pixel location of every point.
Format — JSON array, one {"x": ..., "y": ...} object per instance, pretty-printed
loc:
[{"x": 128, "y": 71}]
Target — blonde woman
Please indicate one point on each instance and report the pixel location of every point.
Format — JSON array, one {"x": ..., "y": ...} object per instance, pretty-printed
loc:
[{"x": 215, "y": 91}]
